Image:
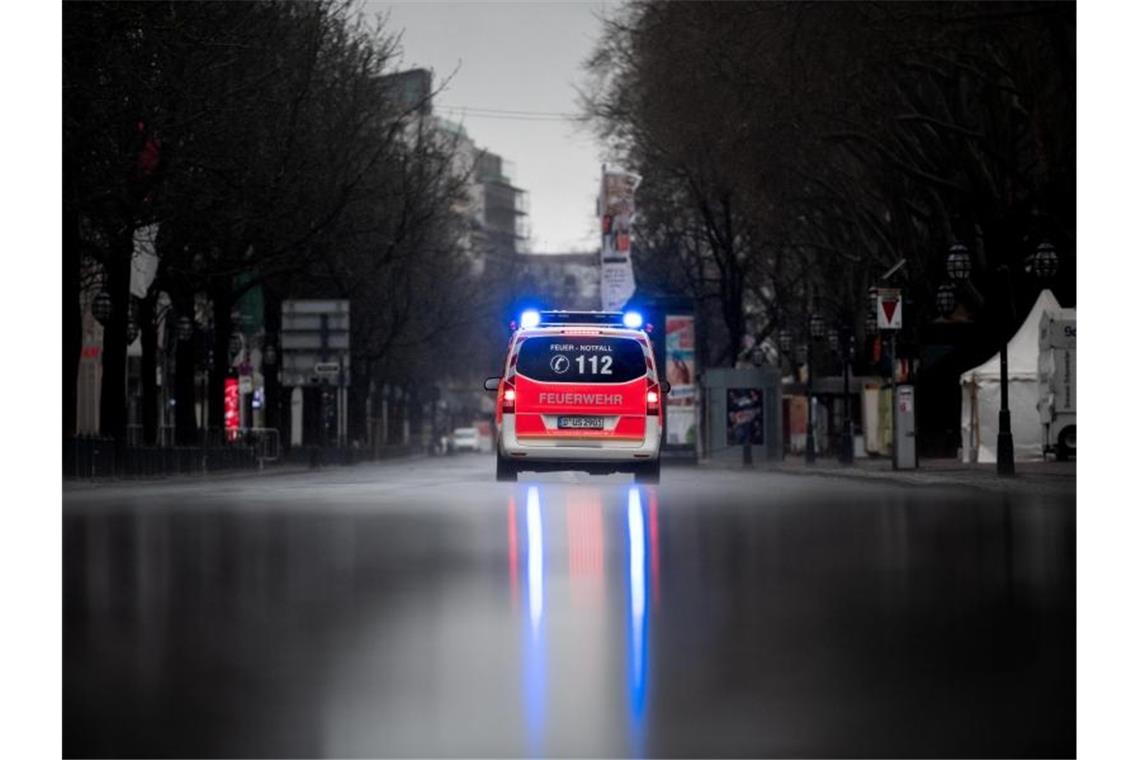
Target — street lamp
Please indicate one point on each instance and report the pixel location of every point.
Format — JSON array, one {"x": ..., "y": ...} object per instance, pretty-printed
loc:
[
  {"x": 1042, "y": 264},
  {"x": 785, "y": 340},
  {"x": 946, "y": 299},
  {"x": 185, "y": 328},
  {"x": 844, "y": 341},
  {"x": 816, "y": 329},
  {"x": 817, "y": 326},
  {"x": 833, "y": 340},
  {"x": 958, "y": 263},
  {"x": 101, "y": 307}
]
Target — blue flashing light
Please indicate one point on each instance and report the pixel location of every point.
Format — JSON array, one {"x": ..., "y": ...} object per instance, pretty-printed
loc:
[
  {"x": 528, "y": 319},
  {"x": 632, "y": 320}
]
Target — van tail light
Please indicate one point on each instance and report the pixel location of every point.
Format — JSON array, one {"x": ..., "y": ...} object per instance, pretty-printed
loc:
[
  {"x": 653, "y": 399},
  {"x": 508, "y": 397}
]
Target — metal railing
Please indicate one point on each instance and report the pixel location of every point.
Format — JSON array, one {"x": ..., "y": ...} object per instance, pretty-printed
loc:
[
  {"x": 98, "y": 456},
  {"x": 266, "y": 444},
  {"x": 91, "y": 456}
]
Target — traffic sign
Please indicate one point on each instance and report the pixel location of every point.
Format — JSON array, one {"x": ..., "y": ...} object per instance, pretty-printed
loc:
[
  {"x": 315, "y": 342},
  {"x": 889, "y": 309}
]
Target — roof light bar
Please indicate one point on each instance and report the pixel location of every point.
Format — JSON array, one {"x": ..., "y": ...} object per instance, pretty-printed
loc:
[{"x": 532, "y": 318}]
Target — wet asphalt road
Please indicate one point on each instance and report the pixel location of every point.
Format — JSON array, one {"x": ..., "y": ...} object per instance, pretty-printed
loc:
[{"x": 418, "y": 608}]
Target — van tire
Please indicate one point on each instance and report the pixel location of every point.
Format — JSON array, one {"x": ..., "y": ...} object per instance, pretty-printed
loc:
[
  {"x": 505, "y": 470},
  {"x": 1066, "y": 444},
  {"x": 648, "y": 472}
]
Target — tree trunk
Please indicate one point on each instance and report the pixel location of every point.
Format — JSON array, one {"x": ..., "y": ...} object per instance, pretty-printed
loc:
[
  {"x": 185, "y": 390},
  {"x": 223, "y": 325},
  {"x": 358, "y": 402},
  {"x": 148, "y": 376},
  {"x": 113, "y": 397},
  {"x": 72, "y": 320},
  {"x": 273, "y": 390}
]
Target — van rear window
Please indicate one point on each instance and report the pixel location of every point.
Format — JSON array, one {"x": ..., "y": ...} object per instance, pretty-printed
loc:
[{"x": 581, "y": 359}]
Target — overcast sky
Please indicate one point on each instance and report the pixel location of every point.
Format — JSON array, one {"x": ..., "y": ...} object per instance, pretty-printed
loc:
[{"x": 517, "y": 57}]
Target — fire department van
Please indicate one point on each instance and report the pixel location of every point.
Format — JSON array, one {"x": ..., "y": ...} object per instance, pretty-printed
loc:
[{"x": 579, "y": 391}]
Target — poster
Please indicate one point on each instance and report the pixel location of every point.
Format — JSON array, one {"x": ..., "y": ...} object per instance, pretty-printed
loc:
[
  {"x": 616, "y": 214},
  {"x": 231, "y": 410},
  {"x": 617, "y": 284},
  {"x": 681, "y": 372},
  {"x": 745, "y": 416}
]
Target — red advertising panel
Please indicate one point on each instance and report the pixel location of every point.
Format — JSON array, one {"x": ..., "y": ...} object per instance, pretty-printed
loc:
[{"x": 232, "y": 411}]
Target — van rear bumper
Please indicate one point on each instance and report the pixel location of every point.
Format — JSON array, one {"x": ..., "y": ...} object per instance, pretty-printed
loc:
[{"x": 569, "y": 450}]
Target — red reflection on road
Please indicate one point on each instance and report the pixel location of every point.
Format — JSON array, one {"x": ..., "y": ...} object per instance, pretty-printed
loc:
[
  {"x": 585, "y": 534},
  {"x": 653, "y": 546},
  {"x": 513, "y": 549}
]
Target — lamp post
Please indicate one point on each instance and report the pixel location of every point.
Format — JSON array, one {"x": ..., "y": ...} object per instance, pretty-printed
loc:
[
  {"x": 1042, "y": 264},
  {"x": 815, "y": 332},
  {"x": 842, "y": 342}
]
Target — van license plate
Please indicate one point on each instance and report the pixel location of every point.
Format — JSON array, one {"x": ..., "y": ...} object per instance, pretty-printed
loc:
[{"x": 581, "y": 423}]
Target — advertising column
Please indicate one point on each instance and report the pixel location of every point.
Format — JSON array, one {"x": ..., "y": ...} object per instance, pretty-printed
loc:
[{"x": 681, "y": 372}]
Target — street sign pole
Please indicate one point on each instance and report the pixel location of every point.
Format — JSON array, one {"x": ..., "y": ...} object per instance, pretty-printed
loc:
[
  {"x": 315, "y": 352},
  {"x": 889, "y": 314}
]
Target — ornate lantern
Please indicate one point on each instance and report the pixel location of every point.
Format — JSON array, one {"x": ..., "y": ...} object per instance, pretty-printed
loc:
[
  {"x": 958, "y": 263},
  {"x": 1045, "y": 261},
  {"x": 101, "y": 307},
  {"x": 946, "y": 299},
  {"x": 817, "y": 326},
  {"x": 185, "y": 328}
]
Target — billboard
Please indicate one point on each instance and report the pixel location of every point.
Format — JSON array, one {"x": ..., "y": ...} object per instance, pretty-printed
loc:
[{"x": 681, "y": 372}]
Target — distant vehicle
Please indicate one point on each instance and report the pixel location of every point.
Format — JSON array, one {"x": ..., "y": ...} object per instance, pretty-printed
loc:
[
  {"x": 1057, "y": 383},
  {"x": 579, "y": 391},
  {"x": 465, "y": 439}
]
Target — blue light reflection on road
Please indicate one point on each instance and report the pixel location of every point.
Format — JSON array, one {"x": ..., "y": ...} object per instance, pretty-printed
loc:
[
  {"x": 638, "y": 623},
  {"x": 535, "y": 665}
]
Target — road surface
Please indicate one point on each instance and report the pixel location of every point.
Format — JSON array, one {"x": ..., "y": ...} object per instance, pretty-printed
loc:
[{"x": 418, "y": 608}]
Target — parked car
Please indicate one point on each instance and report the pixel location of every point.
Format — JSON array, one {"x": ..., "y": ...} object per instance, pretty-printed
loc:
[{"x": 465, "y": 439}]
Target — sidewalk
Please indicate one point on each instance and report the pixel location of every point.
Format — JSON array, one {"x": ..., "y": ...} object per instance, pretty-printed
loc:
[
  {"x": 270, "y": 470},
  {"x": 1051, "y": 477}
]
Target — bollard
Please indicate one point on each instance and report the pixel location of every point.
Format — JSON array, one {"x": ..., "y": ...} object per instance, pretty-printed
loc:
[{"x": 748, "y": 451}]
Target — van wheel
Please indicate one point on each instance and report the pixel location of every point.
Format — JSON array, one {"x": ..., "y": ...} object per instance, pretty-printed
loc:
[
  {"x": 648, "y": 472},
  {"x": 505, "y": 469},
  {"x": 1066, "y": 444}
]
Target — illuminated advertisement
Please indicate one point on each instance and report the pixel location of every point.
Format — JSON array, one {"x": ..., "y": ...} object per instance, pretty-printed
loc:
[
  {"x": 231, "y": 409},
  {"x": 681, "y": 372},
  {"x": 745, "y": 416}
]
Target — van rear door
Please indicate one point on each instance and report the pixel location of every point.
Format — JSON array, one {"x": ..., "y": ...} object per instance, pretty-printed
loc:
[{"x": 581, "y": 386}]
